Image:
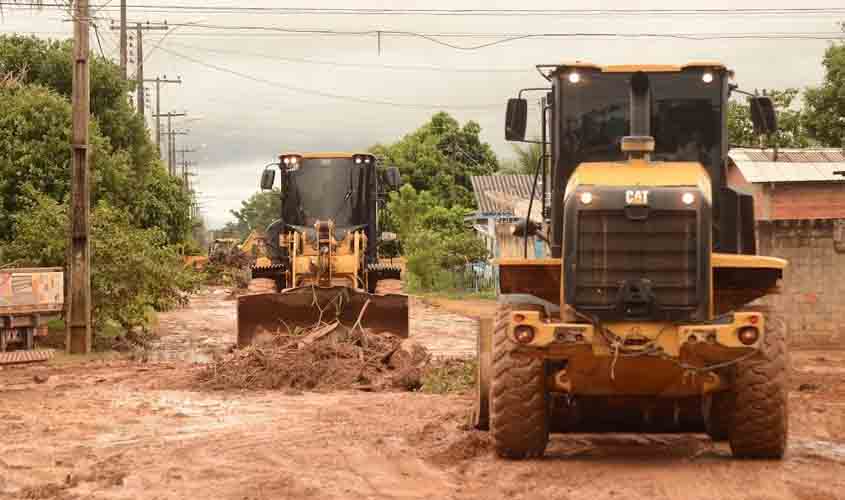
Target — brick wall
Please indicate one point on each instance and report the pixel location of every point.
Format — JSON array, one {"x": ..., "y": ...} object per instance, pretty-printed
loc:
[{"x": 813, "y": 299}]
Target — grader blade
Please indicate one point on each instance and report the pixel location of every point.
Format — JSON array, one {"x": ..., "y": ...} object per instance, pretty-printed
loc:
[{"x": 307, "y": 307}]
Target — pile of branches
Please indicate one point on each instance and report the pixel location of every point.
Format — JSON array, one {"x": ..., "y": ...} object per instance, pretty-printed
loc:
[{"x": 324, "y": 358}]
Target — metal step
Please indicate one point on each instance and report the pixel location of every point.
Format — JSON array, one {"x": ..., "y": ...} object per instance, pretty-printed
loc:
[{"x": 22, "y": 357}]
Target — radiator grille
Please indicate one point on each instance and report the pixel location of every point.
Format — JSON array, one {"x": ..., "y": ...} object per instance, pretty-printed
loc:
[{"x": 661, "y": 248}]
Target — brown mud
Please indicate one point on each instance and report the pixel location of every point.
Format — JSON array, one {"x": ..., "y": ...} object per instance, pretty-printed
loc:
[{"x": 127, "y": 429}]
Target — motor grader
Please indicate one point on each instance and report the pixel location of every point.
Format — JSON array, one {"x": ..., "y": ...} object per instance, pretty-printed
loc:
[
  {"x": 643, "y": 318},
  {"x": 323, "y": 249}
]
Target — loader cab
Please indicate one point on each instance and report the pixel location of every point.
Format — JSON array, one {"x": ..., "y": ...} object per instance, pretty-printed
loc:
[
  {"x": 639, "y": 197},
  {"x": 345, "y": 188},
  {"x": 683, "y": 108}
]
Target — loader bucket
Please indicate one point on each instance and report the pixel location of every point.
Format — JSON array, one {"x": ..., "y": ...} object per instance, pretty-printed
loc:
[{"x": 306, "y": 307}]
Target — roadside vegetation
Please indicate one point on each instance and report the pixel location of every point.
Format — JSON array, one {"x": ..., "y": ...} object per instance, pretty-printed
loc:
[{"x": 140, "y": 222}]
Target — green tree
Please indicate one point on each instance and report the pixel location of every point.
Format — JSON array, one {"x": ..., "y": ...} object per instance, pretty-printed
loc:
[
  {"x": 440, "y": 157},
  {"x": 35, "y": 126},
  {"x": 826, "y": 104},
  {"x": 257, "y": 212},
  {"x": 49, "y": 63},
  {"x": 792, "y": 123},
  {"x": 526, "y": 159},
  {"x": 435, "y": 239},
  {"x": 134, "y": 270},
  {"x": 34, "y": 136}
]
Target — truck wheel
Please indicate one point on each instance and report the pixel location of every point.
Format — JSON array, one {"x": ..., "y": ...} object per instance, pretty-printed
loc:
[
  {"x": 519, "y": 404},
  {"x": 760, "y": 421},
  {"x": 719, "y": 414}
]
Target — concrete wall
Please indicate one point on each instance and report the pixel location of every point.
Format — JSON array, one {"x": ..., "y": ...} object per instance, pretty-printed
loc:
[{"x": 813, "y": 299}]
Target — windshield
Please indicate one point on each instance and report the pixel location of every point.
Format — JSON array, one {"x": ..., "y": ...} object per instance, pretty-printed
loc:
[
  {"x": 685, "y": 117},
  {"x": 326, "y": 188}
]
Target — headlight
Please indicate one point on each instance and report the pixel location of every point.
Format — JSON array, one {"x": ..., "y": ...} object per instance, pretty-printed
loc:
[
  {"x": 586, "y": 197},
  {"x": 688, "y": 198},
  {"x": 574, "y": 77},
  {"x": 707, "y": 77}
]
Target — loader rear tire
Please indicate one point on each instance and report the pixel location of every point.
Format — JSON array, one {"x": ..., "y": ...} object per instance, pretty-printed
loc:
[
  {"x": 519, "y": 406},
  {"x": 760, "y": 422}
]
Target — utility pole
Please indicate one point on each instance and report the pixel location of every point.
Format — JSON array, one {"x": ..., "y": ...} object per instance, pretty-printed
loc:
[
  {"x": 78, "y": 313},
  {"x": 171, "y": 156},
  {"x": 158, "y": 81},
  {"x": 123, "y": 54},
  {"x": 139, "y": 57}
]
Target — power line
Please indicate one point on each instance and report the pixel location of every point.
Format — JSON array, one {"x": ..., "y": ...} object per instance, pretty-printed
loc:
[
  {"x": 302, "y": 90},
  {"x": 398, "y": 67},
  {"x": 232, "y": 9}
]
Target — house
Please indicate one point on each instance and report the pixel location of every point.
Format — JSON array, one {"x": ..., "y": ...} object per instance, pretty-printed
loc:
[
  {"x": 502, "y": 201},
  {"x": 799, "y": 204}
]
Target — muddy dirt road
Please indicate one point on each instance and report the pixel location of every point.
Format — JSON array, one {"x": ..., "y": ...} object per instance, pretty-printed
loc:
[{"x": 127, "y": 430}]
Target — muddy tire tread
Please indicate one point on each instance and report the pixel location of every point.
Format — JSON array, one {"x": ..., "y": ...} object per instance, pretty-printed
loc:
[
  {"x": 519, "y": 405},
  {"x": 760, "y": 423}
]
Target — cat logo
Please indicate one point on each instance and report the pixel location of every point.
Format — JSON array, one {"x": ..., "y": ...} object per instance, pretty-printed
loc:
[{"x": 636, "y": 197}]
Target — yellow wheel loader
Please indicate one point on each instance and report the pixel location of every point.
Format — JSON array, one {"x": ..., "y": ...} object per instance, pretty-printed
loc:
[
  {"x": 642, "y": 317},
  {"x": 323, "y": 249}
]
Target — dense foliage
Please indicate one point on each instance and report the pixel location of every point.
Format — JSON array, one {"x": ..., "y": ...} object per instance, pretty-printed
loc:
[
  {"x": 35, "y": 127},
  {"x": 140, "y": 214},
  {"x": 256, "y": 213},
  {"x": 440, "y": 157},
  {"x": 826, "y": 103},
  {"x": 134, "y": 271},
  {"x": 435, "y": 239},
  {"x": 792, "y": 123}
]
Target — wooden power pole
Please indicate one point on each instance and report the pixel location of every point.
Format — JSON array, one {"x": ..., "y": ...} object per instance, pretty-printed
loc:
[
  {"x": 123, "y": 53},
  {"x": 139, "y": 56},
  {"x": 171, "y": 153},
  {"x": 78, "y": 303},
  {"x": 158, "y": 81}
]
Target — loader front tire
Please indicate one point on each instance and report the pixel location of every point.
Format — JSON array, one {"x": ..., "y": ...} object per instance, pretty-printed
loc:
[
  {"x": 519, "y": 418},
  {"x": 760, "y": 422}
]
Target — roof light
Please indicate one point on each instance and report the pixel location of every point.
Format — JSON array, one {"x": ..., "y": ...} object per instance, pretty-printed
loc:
[
  {"x": 586, "y": 197},
  {"x": 574, "y": 77},
  {"x": 358, "y": 160},
  {"x": 688, "y": 198},
  {"x": 707, "y": 77}
]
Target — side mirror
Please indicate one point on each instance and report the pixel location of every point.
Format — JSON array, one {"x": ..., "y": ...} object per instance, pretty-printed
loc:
[
  {"x": 763, "y": 115},
  {"x": 388, "y": 236},
  {"x": 393, "y": 178},
  {"x": 516, "y": 119},
  {"x": 267, "y": 179}
]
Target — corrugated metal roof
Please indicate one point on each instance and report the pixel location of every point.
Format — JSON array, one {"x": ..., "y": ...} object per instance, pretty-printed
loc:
[
  {"x": 792, "y": 165},
  {"x": 493, "y": 191}
]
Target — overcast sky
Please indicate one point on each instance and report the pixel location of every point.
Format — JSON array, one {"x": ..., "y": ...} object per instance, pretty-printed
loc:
[{"x": 241, "y": 116}]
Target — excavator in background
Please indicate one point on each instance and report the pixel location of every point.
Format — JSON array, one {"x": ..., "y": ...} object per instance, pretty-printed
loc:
[{"x": 323, "y": 249}]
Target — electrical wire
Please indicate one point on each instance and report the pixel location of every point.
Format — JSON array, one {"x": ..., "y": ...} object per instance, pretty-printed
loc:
[
  {"x": 398, "y": 67},
  {"x": 590, "y": 12},
  {"x": 302, "y": 90}
]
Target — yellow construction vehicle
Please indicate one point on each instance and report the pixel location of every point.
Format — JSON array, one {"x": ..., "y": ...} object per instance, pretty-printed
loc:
[
  {"x": 254, "y": 246},
  {"x": 323, "y": 249},
  {"x": 641, "y": 319}
]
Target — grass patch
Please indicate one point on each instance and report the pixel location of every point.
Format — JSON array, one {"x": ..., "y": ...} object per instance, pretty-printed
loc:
[{"x": 449, "y": 376}]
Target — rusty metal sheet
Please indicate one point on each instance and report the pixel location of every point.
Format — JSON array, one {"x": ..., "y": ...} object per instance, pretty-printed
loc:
[
  {"x": 22, "y": 357},
  {"x": 24, "y": 291}
]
